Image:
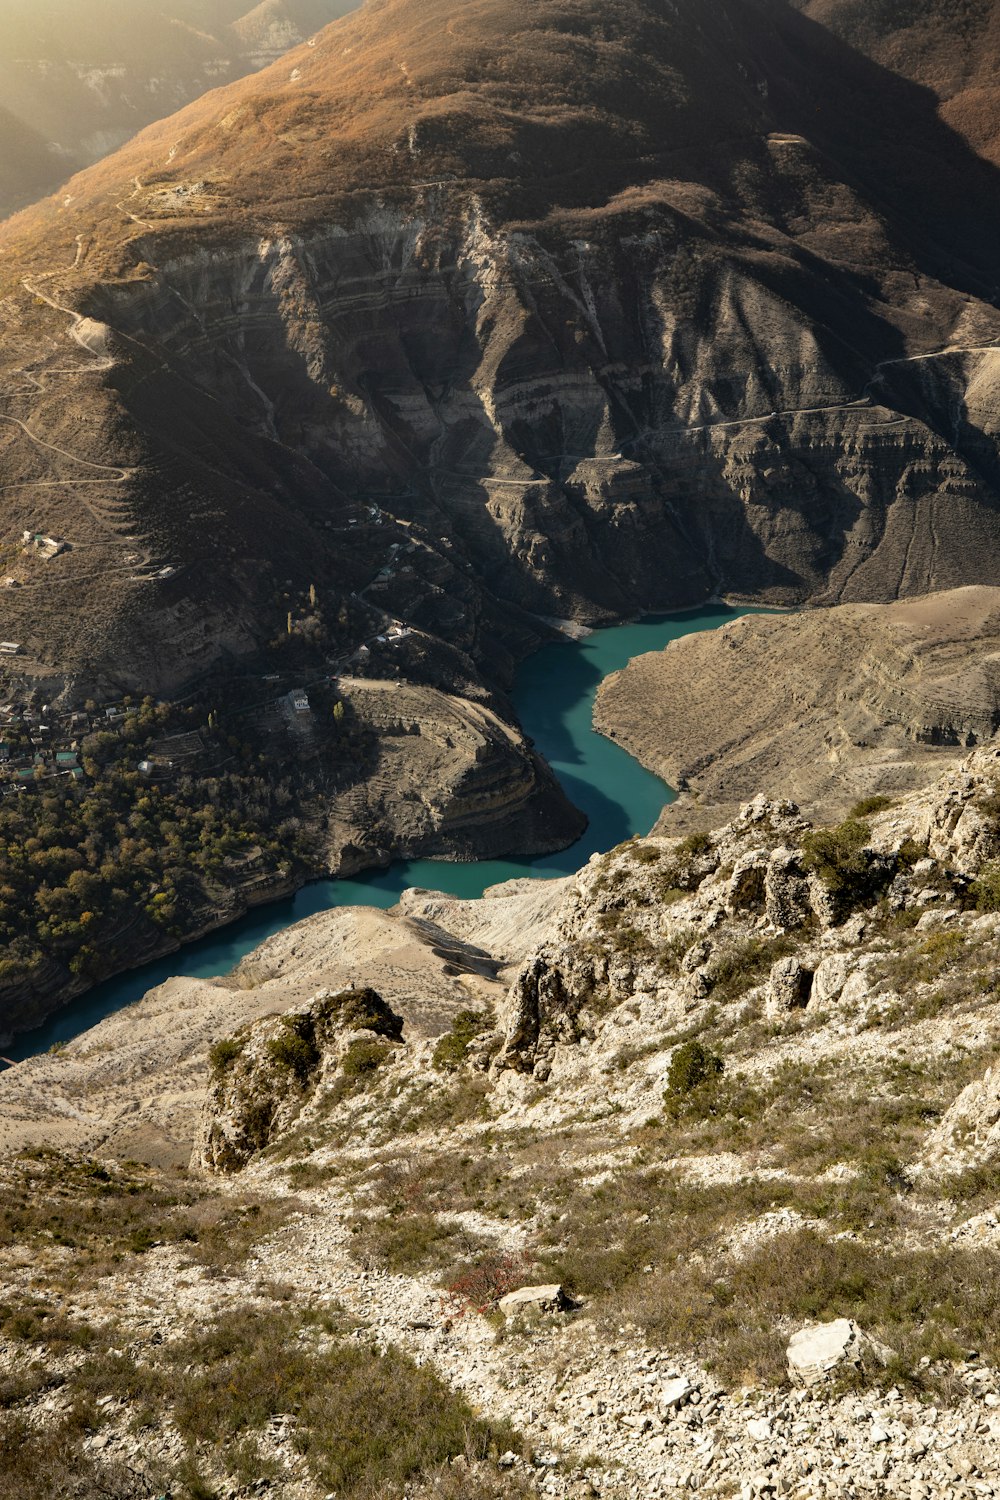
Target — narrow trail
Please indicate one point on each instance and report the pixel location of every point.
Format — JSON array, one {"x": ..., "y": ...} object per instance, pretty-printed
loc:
[
  {"x": 113, "y": 517},
  {"x": 143, "y": 223},
  {"x": 121, "y": 474}
]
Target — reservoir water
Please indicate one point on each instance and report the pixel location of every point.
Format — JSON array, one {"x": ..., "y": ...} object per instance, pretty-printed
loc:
[{"x": 554, "y": 696}]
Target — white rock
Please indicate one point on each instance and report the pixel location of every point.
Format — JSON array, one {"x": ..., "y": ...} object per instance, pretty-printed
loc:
[
  {"x": 676, "y": 1392},
  {"x": 816, "y": 1351},
  {"x": 831, "y": 976},
  {"x": 969, "y": 1130},
  {"x": 788, "y": 986},
  {"x": 529, "y": 1299},
  {"x": 759, "y": 1428}
]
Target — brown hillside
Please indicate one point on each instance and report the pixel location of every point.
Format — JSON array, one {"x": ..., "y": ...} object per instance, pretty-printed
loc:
[
  {"x": 79, "y": 77},
  {"x": 620, "y": 303}
]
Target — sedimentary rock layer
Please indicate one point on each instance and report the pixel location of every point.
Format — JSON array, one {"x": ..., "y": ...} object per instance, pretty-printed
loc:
[{"x": 827, "y": 706}]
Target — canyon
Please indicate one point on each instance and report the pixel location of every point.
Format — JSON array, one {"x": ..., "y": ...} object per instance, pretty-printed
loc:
[
  {"x": 324, "y": 403},
  {"x": 404, "y": 333}
]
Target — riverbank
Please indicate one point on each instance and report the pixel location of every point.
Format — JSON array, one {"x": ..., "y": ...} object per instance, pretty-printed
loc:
[
  {"x": 825, "y": 707},
  {"x": 553, "y": 695}
]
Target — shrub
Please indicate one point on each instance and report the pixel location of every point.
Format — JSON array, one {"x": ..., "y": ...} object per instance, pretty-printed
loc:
[
  {"x": 362, "y": 1010},
  {"x": 406, "y": 1242},
  {"x": 49, "y": 1198},
  {"x": 868, "y": 806},
  {"x": 985, "y": 890},
  {"x": 735, "y": 968},
  {"x": 645, "y": 854},
  {"x": 362, "y": 1059},
  {"x": 481, "y": 1284},
  {"x": 295, "y": 1048},
  {"x": 847, "y": 867},
  {"x": 451, "y": 1049},
  {"x": 224, "y": 1053},
  {"x": 691, "y": 1079},
  {"x": 691, "y": 1065}
]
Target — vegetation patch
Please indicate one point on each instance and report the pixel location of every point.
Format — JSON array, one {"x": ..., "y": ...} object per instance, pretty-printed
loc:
[
  {"x": 365, "y": 1422},
  {"x": 225, "y": 1052},
  {"x": 692, "y": 1080},
  {"x": 52, "y": 1201},
  {"x": 841, "y": 858},
  {"x": 451, "y": 1049},
  {"x": 868, "y": 807},
  {"x": 741, "y": 965}
]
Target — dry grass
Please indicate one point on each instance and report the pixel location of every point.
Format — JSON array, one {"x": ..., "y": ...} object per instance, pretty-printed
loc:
[
  {"x": 103, "y": 1214},
  {"x": 366, "y": 1423}
]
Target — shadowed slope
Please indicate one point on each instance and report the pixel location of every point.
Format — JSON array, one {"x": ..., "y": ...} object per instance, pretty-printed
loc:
[{"x": 628, "y": 302}]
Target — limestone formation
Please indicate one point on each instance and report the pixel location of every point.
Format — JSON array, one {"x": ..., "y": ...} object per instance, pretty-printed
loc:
[
  {"x": 266, "y": 1075},
  {"x": 788, "y": 987},
  {"x": 968, "y": 1135}
]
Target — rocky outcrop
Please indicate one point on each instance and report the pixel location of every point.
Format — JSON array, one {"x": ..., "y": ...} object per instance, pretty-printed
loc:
[
  {"x": 758, "y": 907},
  {"x": 967, "y": 1137},
  {"x": 265, "y": 1076},
  {"x": 658, "y": 918}
]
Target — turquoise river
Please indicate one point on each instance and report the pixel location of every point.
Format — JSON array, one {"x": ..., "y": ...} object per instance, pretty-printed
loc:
[{"x": 554, "y": 696}]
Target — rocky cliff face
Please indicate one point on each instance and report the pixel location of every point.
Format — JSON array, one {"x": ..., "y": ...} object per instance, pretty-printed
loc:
[
  {"x": 542, "y": 373},
  {"x": 829, "y": 706}
]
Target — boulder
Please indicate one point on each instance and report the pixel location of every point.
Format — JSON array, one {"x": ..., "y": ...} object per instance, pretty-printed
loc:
[
  {"x": 529, "y": 1300},
  {"x": 818, "y": 1352},
  {"x": 676, "y": 1392},
  {"x": 968, "y": 1133},
  {"x": 786, "y": 890},
  {"x": 857, "y": 989},
  {"x": 831, "y": 975},
  {"x": 788, "y": 987}
]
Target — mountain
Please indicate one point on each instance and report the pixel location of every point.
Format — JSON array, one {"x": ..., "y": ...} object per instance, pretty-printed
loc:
[
  {"x": 462, "y": 317},
  {"x": 950, "y": 48},
  {"x": 79, "y": 78},
  {"x": 678, "y": 330}
]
